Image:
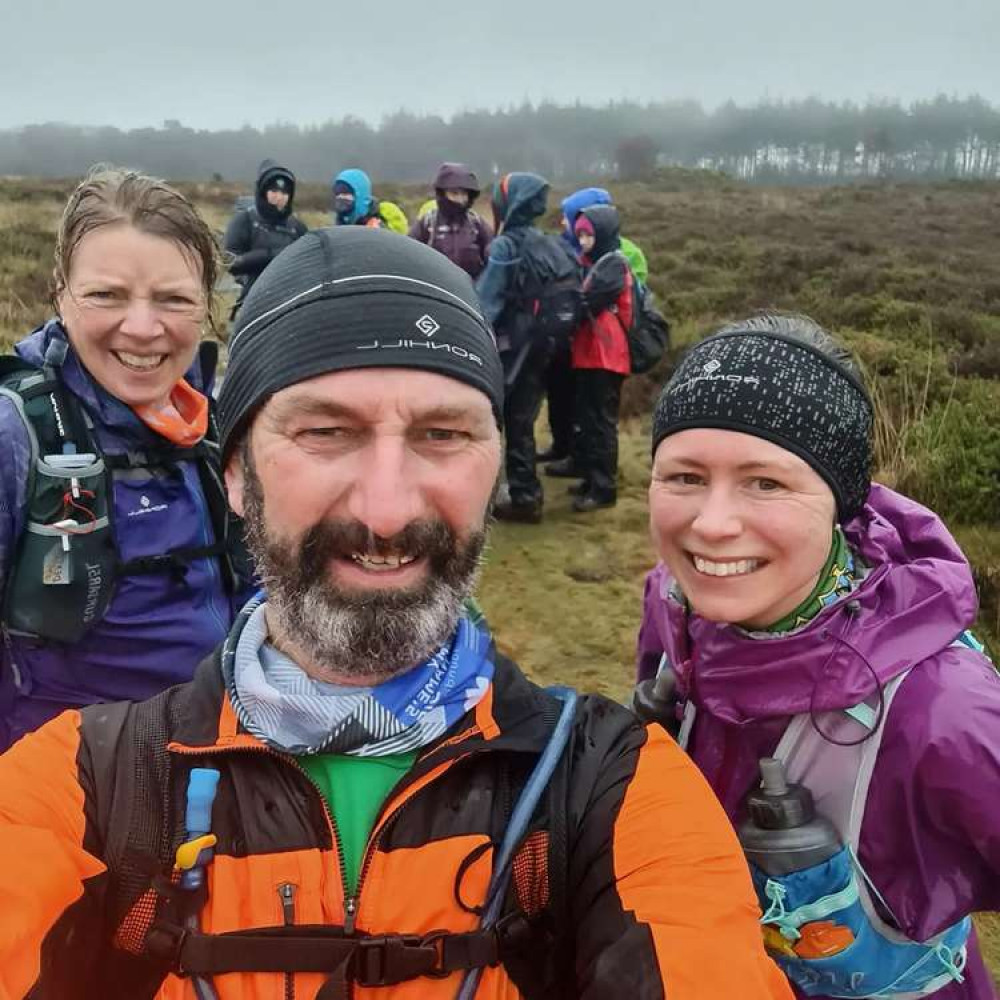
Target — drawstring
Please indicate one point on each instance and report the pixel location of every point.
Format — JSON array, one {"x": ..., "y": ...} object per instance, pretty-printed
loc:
[
  {"x": 953, "y": 961},
  {"x": 776, "y": 912},
  {"x": 851, "y": 608}
]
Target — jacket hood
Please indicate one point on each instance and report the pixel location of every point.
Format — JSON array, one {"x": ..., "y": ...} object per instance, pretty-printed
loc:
[
  {"x": 360, "y": 183},
  {"x": 607, "y": 226},
  {"x": 457, "y": 175},
  {"x": 519, "y": 198},
  {"x": 107, "y": 409},
  {"x": 267, "y": 172},
  {"x": 918, "y": 596},
  {"x": 579, "y": 200}
]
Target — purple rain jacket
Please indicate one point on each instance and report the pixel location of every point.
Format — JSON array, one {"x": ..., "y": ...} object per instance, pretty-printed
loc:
[
  {"x": 158, "y": 626},
  {"x": 930, "y": 839}
]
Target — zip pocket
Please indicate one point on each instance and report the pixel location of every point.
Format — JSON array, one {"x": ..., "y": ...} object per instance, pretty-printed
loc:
[{"x": 286, "y": 894}]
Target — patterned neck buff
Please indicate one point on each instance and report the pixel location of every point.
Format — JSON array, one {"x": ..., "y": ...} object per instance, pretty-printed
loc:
[
  {"x": 836, "y": 580},
  {"x": 280, "y": 704}
]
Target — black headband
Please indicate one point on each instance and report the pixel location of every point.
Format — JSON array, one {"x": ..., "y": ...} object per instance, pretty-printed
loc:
[{"x": 783, "y": 390}]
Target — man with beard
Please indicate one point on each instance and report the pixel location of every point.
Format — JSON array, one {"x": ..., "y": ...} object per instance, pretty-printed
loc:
[{"x": 317, "y": 813}]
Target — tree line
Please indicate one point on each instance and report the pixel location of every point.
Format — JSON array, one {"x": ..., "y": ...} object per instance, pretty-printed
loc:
[{"x": 809, "y": 141}]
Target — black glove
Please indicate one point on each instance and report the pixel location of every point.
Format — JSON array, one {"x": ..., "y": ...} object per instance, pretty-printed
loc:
[{"x": 251, "y": 262}]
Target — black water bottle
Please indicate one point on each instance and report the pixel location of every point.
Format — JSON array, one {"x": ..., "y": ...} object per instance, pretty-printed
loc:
[
  {"x": 655, "y": 700},
  {"x": 783, "y": 833}
]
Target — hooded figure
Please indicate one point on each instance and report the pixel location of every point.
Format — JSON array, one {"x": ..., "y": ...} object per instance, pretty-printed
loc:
[
  {"x": 876, "y": 618},
  {"x": 518, "y": 199},
  {"x": 353, "y": 201},
  {"x": 450, "y": 225},
  {"x": 559, "y": 386},
  {"x": 600, "y": 357},
  {"x": 257, "y": 233}
]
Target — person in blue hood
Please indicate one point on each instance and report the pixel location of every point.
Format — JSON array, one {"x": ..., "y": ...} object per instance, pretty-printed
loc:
[
  {"x": 119, "y": 565},
  {"x": 353, "y": 201},
  {"x": 518, "y": 200}
]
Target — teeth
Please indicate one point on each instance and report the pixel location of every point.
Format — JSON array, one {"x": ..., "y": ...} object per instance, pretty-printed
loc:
[
  {"x": 142, "y": 361},
  {"x": 739, "y": 568},
  {"x": 381, "y": 563}
]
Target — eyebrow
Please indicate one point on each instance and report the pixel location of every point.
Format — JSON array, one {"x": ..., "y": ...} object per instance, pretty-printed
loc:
[
  {"x": 312, "y": 406},
  {"x": 775, "y": 465},
  {"x": 106, "y": 281}
]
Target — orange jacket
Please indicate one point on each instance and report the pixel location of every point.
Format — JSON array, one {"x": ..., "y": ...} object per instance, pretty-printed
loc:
[{"x": 659, "y": 899}]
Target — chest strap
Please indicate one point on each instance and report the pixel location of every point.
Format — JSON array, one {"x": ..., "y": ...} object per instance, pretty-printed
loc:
[{"x": 382, "y": 960}]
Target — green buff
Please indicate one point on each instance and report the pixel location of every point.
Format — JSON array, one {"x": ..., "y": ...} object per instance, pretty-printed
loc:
[{"x": 835, "y": 580}]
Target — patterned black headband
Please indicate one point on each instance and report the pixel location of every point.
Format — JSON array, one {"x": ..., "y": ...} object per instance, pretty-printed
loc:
[{"x": 780, "y": 389}]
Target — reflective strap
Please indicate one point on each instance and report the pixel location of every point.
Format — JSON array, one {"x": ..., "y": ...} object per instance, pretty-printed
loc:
[
  {"x": 863, "y": 714},
  {"x": 687, "y": 723}
]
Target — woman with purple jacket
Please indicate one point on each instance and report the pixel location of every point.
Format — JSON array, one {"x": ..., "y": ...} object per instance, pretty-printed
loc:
[{"x": 809, "y": 619}]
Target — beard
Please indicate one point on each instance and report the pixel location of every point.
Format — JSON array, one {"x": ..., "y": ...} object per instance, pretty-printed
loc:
[{"x": 368, "y": 635}]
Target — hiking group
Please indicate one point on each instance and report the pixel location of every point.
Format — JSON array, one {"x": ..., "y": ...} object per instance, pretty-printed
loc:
[
  {"x": 261, "y": 741},
  {"x": 572, "y": 314}
]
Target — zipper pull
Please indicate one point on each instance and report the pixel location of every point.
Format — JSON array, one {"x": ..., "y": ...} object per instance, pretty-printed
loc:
[
  {"x": 287, "y": 893},
  {"x": 350, "y": 914}
]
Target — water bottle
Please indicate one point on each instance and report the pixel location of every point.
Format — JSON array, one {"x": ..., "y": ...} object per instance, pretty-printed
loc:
[
  {"x": 655, "y": 700},
  {"x": 782, "y": 832}
]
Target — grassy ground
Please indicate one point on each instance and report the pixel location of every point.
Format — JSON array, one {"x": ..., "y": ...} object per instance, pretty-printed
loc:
[{"x": 908, "y": 275}]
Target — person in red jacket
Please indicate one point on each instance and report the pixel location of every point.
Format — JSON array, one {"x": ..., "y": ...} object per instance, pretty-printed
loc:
[{"x": 600, "y": 356}]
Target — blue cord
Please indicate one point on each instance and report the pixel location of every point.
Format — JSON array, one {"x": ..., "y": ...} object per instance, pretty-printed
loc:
[{"x": 527, "y": 802}]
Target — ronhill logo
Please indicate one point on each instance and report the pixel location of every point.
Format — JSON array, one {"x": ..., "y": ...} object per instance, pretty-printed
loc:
[
  {"x": 422, "y": 345},
  {"x": 427, "y": 325},
  {"x": 710, "y": 372}
]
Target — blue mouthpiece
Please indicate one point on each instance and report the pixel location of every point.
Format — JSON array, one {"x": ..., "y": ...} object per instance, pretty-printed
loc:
[{"x": 200, "y": 796}]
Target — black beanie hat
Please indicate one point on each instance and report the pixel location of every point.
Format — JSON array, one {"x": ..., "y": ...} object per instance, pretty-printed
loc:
[
  {"x": 776, "y": 387},
  {"x": 352, "y": 297}
]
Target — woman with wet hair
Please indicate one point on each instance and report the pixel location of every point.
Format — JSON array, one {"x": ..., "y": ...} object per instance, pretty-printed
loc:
[
  {"x": 118, "y": 561},
  {"x": 805, "y": 635}
]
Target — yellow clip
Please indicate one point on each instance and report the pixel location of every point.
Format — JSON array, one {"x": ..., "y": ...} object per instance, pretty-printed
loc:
[
  {"x": 187, "y": 854},
  {"x": 776, "y": 943}
]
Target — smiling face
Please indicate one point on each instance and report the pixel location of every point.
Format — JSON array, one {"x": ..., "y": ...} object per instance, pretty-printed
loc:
[
  {"x": 744, "y": 526},
  {"x": 365, "y": 498},
  {"x": 133, "y": 307}
]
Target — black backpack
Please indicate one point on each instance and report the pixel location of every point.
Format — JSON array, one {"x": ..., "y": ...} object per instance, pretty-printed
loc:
[
  {"x": 546, "y": 289},
  {"x": 649, "y": 335}
]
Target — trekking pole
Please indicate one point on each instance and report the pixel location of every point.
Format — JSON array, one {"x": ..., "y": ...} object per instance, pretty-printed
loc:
[
  {"x": 527, "y": 802},
  {"x": 196, "y": 853}
]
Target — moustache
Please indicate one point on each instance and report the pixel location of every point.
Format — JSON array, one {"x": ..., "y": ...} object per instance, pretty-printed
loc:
[{"x": 336, "y": 538}]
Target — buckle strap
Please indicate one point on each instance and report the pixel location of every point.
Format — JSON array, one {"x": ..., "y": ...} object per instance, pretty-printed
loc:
[
  {"x": 381, "y": 960},
  {"x": 176, "y": 559},
  {"x": 155, "y": 457}
]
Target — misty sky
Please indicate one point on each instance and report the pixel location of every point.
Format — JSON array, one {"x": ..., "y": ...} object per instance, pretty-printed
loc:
[{"x": 216, "y": 63}]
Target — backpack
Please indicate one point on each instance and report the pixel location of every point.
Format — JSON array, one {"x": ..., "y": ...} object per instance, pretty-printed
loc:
[
  {"x": 546, "y": 290},
  {"x": 64, "y": 573},
  {"x": 430, "y": 219},
  {"x": 149, "y": 819},
  {"x": 649, "y": 335},
  {"x": 393, "y": 217}
]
